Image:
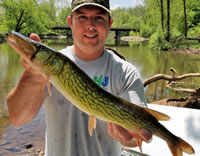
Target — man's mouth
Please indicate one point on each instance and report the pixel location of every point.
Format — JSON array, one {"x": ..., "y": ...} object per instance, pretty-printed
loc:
[{"x": 90, "y": 36}]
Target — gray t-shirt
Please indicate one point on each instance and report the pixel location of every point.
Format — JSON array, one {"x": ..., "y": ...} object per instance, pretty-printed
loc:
[{"x": 67, "y": 127}]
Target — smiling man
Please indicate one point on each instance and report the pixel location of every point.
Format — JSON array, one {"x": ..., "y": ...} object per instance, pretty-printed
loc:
[
  {"x": 66, "y": 126},
  {"x": 90, "y": 26}
]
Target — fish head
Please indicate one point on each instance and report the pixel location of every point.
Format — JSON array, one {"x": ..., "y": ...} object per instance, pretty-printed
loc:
[{"x": 24, "y": 46}]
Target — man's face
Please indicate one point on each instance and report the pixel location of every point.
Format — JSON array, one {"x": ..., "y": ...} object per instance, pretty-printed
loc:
[{"x": 90, "y": 26}]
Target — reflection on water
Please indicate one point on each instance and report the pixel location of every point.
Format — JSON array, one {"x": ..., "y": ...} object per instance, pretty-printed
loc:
[
  {"x": 24, "y": 140},
  {"x": 10, "y": 72},
  {"x": 151, "y": 62},
  {"x": 14, "y": 140}
]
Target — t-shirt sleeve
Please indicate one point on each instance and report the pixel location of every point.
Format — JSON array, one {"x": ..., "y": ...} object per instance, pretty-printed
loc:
[{"x": 132, "y": 87}]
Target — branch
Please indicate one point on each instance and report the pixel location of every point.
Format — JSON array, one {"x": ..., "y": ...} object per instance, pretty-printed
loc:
[
  {"x": 179, "y": 89},
  {"x": 168, "y": 77},
  {"x": 18, "y": 21}
]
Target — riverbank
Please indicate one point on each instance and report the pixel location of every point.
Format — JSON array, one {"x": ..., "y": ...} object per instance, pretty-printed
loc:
[{"x": 191, "y": 51}]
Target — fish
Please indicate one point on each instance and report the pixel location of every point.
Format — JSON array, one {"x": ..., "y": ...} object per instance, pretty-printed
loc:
[{"x": 90, "y": 98}]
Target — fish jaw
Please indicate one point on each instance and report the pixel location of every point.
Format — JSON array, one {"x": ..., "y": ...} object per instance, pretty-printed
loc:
[{"x": 24, "y": 48}]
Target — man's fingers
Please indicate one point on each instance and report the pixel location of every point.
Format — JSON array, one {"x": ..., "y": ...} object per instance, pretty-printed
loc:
[
  {"x": 122, "y": 133},
  {"x": 131, "y": 143},
  {"x": 35, "y": 37},
  {"x": 145, "y": 135},
  {"x": 127, "y": 138},
  {"x": 111, "y": 131},
  {"x": 24, "y": 63},
  {"x": 115, "y": 132}
]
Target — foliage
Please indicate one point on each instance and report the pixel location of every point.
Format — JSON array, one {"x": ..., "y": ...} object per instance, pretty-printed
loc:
[
  {"x": 147, "y": 19},
  {"x": 157, "y": 41},
  {"x": 23, "y": 16},
  {"x": 195, "y": 31},
  {"x": 27, "y": 16},
  {"x": 62, "y": 16}
]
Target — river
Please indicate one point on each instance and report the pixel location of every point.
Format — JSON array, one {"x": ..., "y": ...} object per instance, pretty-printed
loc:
[{"x": 29, "y": 139}]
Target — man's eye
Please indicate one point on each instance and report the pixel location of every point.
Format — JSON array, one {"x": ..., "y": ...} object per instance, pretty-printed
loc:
[
  {"x": 99, "y": 18},
  {"x": 82, "y": 17}
]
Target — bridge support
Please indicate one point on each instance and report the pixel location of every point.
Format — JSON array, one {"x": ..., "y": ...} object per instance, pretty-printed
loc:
[{"x": 117, "y": 37}]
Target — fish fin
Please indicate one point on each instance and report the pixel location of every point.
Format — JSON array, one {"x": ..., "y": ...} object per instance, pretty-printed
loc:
[
  {"x": 138, "y": 140},
  {"x": 158, "y": 115},
  {"x": 175, "y": 151},
  {"x": 139, "y": 143},
  {"x": 180, "y": 147},
  {"x": 49, "y": 88},
  {"x": 91, "y": 124}
]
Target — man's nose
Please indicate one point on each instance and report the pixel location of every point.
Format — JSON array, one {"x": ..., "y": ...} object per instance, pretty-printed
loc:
[{"x": 91, "y": 25}]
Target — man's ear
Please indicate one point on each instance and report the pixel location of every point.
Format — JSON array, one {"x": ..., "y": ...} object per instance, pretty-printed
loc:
[
  {"x": 69, "y": 20},
  {"x": 111, "y": 21}
]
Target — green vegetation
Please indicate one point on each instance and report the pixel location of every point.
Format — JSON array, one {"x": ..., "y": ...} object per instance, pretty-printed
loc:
[
  {"x": 27, "y": 16},
  {"x": 167, "y": 23}
]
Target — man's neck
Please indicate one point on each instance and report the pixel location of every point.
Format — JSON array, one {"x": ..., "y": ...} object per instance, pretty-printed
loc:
[{"x": 88, "y": 54}]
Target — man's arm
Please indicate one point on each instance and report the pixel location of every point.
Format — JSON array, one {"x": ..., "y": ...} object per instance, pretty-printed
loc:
[{"x": 25, "y": 100}]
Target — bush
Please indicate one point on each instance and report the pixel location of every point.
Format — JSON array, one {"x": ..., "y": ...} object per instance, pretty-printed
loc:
[
  {"x": 157, "y": 41},
  {"x": 195, "y": 31}
]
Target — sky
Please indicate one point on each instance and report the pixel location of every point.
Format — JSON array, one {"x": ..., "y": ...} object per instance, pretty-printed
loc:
[{"x": 125, "y": 3}]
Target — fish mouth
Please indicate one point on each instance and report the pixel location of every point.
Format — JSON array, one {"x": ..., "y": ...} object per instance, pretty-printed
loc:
[
  {"x": 10, "y": 39},
  {"x": 14, "y": 45}
]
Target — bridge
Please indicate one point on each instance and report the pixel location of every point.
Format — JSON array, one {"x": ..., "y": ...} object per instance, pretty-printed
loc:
[{"x": 116, "y": 30}]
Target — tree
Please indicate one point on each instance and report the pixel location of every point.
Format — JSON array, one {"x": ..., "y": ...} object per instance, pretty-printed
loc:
[
  {"x": 49, "y": 8},
  {"x": 24, "y": 16},
  {"x": 162, "y": 14},
  {"x": 62, "y": 16},
  {"x": 168, "y": 21},
  {"x": 185, "y": 17}
]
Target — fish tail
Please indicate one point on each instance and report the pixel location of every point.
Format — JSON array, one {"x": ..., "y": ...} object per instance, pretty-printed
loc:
[{"x": 180, "y": 147}]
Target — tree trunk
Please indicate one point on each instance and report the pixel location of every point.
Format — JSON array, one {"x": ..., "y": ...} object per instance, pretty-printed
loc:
[
  {"x": 168, "y": 21},
  {"x": 185, "y": 18},
  {"x": 18, "y": 26},
  {"x": 162, "y": 14}
]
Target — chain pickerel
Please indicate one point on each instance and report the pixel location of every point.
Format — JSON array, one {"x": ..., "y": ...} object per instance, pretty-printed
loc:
[{"x": 85, "y": 94}]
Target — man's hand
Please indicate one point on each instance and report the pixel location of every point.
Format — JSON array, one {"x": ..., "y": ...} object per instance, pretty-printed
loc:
[
  {"x": 29, "y": 66},
  {"x": 24, "y": 63},
  {"x": 125, "y": 137}
]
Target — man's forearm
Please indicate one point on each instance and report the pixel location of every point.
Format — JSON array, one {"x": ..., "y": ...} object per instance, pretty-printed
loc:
[{"x": 25, "y": 100}]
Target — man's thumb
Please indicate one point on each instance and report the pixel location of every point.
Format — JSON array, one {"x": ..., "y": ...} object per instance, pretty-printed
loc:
[{"x": 35, "y": 37}]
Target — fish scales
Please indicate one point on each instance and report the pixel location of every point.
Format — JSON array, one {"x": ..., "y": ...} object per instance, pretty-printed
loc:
[{"x": 85, "y": 94}]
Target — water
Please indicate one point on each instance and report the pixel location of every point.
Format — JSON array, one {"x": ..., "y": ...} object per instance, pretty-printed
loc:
[{"x": 30, "y": 138}]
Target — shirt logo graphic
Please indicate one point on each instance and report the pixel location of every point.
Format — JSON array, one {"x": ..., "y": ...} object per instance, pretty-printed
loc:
[{"x": 101, "y": 81}]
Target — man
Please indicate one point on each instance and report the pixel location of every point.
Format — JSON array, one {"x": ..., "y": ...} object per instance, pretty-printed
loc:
[{"x": 67, "y": 127}]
